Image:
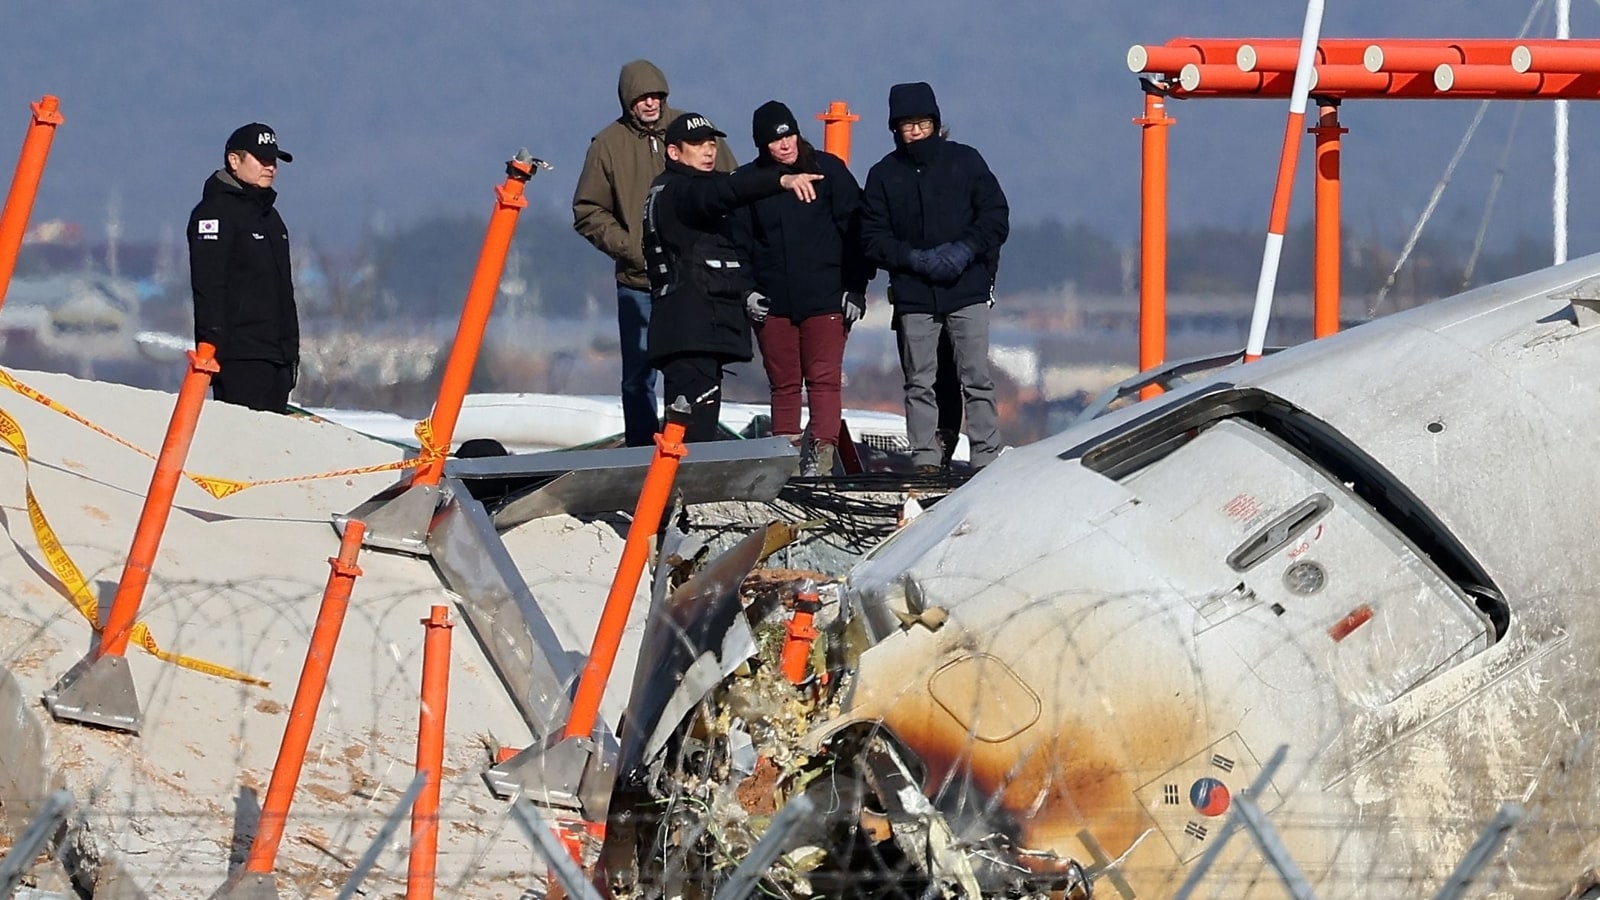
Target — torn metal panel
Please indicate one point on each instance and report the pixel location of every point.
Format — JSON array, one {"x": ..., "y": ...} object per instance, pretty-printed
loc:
[
  {"x": 581, "y": 482},
  {"x": 502, "y": 612},
  {"x": 692, "y": 642}
]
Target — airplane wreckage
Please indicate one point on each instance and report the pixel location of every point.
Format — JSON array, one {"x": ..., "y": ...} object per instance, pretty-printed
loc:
[{"x": 1060, "y": 679}]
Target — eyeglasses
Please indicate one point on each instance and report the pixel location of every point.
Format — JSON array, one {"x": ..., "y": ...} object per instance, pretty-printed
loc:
[{"x": 924, "y": 124}]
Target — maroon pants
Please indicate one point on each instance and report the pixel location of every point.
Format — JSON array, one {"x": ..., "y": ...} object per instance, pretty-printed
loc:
[{"x": 809, "y": 353}]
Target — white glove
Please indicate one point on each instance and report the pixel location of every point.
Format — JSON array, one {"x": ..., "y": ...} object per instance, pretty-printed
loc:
[
  {"x": 757, "y": 305},
  {"x": 854, "y": 306}
]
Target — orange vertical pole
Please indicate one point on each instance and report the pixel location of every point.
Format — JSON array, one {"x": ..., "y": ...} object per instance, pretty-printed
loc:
[
  {"x": 25, "y": 185},
  {"x": 836, "y": 129},
  {"x": 1325, "y": 304},
  {"x": 509, "y": 202},
  {"x": 635, "y": 552},
  {"x": 307, "y": 696},
  {"x": 430, "y": 754},
  {"x": 1153, "y": 232},
  {"x": 158, "y": 502}
]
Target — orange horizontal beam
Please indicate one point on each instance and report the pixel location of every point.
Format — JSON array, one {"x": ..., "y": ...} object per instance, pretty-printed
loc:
[
  {"x": 1354, "y": 82},
  {"x": 1228, "y": 79},
  {"x": 1584, "y": 59},
  {"x": 1507, "y": 81},
  {"x": 1253, "y": 57}
]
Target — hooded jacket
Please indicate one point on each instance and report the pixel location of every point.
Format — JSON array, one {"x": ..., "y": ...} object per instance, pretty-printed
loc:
[
  {"x": 927, "y": 193},
  {"x": 806, "y": 255},
  {"x": 239, "y": 273},
  {"x": 624, "y": 157}
]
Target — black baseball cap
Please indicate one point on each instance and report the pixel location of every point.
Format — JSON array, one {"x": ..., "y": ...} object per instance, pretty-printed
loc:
[
  {"x": 259, "y": 141},
  {"x": 691, "y": 128}
]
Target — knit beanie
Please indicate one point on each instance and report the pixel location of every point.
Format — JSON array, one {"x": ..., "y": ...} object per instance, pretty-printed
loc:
[{"x": 772, "y": 120}]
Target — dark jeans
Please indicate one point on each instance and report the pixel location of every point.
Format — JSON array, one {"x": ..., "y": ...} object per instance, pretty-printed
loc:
[
  {"x": 639, "y": 420},
  {"x": 259, "y": 384},
  {"x": 698, "y": 379},
  {"x": 810, "y": 353}
]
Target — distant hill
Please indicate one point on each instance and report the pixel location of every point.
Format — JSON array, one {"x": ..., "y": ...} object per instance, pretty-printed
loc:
[{"x": 401, "y": 110}]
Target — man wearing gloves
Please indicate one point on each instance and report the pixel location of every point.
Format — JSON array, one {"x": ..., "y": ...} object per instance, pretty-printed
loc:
[
  {"x": 702, "y": 293},
  {"x": 240, "y": 277},
  {"x": 622, "y": 161},
  {"x": 934, "y": 217},
  {"x": 808, "y": 262}
]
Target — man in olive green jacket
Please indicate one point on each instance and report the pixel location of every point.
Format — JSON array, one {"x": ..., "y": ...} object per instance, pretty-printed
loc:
[{"x": 607, "y": 209}]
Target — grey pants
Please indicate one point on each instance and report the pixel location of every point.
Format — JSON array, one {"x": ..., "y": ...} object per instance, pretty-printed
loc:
[{"x": 919, "y": 361}]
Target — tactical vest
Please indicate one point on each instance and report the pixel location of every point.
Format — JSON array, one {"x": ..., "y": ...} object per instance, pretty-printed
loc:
[
  {"x": 710, "y": 263},
  {"x": 658, "y": 258}
]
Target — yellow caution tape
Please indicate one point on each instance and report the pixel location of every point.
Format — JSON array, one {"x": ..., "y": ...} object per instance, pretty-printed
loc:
[
  {"x": 71, "y": 577},
  {"x": 227, "y": 487}
]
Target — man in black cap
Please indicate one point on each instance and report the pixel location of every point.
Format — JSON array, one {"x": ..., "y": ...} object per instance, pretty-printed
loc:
[
  {"x": 239, "y": 273},
  {"x": 933, "y": 216},
  {"x": 702, "y": 290}
]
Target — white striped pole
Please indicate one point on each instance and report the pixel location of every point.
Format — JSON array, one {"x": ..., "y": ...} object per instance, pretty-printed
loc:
[
  {"x": 1281, "y": 194},
  {"x": 1559, "y": 201}
]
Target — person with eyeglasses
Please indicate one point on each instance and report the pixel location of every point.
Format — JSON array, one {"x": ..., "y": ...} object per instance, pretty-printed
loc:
[
  {"x": 239, "y": 274},
  {"x": 934, "y": 217}
]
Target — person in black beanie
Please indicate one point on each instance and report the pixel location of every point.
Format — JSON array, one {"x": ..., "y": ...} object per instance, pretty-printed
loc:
[
  {"x": 807, "y": 260},
  {"x": 934, "y": 217},
  {"x": 240, "y": 278}
]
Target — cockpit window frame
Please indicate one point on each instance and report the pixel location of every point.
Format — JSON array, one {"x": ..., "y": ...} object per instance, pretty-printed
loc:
[{"x": 1148, "y": 438}]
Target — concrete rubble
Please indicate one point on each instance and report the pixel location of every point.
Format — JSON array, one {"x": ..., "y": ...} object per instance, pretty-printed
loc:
[{"x": 238, "y": 582}]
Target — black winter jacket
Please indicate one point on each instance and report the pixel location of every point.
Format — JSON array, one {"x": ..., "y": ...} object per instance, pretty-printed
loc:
[
  {"x": 239, "y": 274},
  {"x": 806, "y": 255},
  {"x": 928, "y": 193},
  {"x": 697, "y": 303}
]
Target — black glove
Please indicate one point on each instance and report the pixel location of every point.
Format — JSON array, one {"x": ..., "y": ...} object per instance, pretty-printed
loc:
[{"x": 946, "y": 262}]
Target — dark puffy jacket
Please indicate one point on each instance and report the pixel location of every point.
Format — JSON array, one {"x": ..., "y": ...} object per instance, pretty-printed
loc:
[
  {"x": 806, "y": 255},
  {"x": 927, "y": 193},
  {"x": 698, "y": 276},
  {"x": 239, "y": 273}
]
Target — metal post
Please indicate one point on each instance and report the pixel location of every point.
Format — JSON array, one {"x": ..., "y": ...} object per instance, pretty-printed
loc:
[
  {"x": 1478, "y": 855},
  {"x": 19, "y": 859},
  {"x": 352, "y": 885},
  {"x": 1559, "y": 199},
  {"x": 836, "y": 129},
  {"x": 430, "y": 754},
  {"x": 509, "y": 202},
  {"x": 556, "y": 857},
  {"x": 25, "y": 185},
  {"x": 257, "y": 879},
  {"x": 103, "y": 693},
  {"x": 1209, "y": 858},
  {"x": 1278, "y": 223},
  {"x": 635, "y": 553},
  {"x": 1325, "y": 316},
  {"x": 1266, "y": 837},
  {"x": 1153, "y": 231}
]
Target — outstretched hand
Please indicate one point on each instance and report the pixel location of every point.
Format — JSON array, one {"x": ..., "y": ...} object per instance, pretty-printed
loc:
[{"x": 800, "y": 185}]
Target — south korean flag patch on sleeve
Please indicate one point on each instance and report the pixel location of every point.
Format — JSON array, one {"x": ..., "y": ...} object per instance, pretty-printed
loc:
[{"x": 207, "y": 226}]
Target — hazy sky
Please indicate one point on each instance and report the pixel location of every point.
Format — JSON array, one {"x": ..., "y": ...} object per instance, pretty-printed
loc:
[{"x": 400, "y": 109}]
